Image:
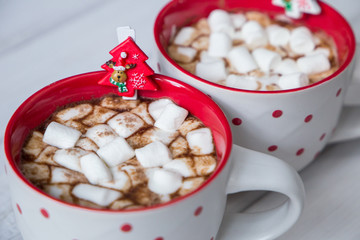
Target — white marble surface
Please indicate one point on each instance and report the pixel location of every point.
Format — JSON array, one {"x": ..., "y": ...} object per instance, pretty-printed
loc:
[{"x": 43, "y": 41}]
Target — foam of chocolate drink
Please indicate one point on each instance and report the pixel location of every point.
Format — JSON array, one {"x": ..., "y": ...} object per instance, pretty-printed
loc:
[{"x": 111, "y": 153}]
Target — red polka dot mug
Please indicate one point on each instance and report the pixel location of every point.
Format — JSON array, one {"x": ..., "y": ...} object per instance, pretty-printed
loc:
[
  {"x": 198, "y": 215},
  {"x": 293, "y": 125}
]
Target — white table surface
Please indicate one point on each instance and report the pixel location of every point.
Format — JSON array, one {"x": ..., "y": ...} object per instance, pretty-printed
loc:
[{"x": 44, "y": 41}]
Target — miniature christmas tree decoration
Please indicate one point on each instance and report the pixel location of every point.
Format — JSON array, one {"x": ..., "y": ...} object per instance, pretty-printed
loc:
[
  {"x": 127, "y": 70},
  {"x": 295, "y": 8}
]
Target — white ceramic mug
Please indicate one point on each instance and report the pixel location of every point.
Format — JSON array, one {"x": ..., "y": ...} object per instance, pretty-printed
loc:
[
  {"x": 196, "y": 216},
  {"x": 293, "y": 125}
]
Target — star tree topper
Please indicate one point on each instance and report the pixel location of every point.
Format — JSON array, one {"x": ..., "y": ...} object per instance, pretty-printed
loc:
[
  {"x": 127, "y": 70},
  {"x": 295, "y": 8}
]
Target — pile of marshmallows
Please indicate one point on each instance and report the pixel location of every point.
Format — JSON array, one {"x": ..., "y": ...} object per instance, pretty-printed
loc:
[
  {"x": 165, "y": 175},
  {"x": 226, "y": 28}
]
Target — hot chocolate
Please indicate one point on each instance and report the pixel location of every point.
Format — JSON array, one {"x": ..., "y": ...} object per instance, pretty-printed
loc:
[
  {"x": 119, "y": 154},
  {"x": 254, "y": 51}
]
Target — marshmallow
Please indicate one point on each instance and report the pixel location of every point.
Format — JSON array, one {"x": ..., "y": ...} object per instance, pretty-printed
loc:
[
  {"x": 237, "y": 38},
  {"x": 237, "y": 20},
  {"x": 76, "y": 112},
  {"x": 155, "y": 108},
  {"x": 162, "y": 181},
  {"x": 63, "y": 175},
  {"x": 242, "y": 82},
  {"x": 278, "y": 36},
  {"x": 254, "y": 34},
  {"x": 171, "y": 118},
  {"x": 76, "y": 125},
  {"x": 314, "y": 64},
  {"x": 59, "y": 191},
  {"x": 157, "y": 134},
  {"x": 149, "y": 172},
  {"x": 120, "y": 181},
  {"x": 98, "y": 195},
  {"x": 99, "y": 115},
  {"x": 46, "y": 156},
  {"x": 135, "y": 173},
  {"x": 219, "y": 44},
  {"x": 201, "y": 43},
  {"x": 190, "y": 185},
  {"x": 35, "y": 145},
  {"x": 260, "y": 17},
  {"x": 322, "y": 50},
  {"x": 142, "y": 111},
  {"x": 204, "y": 165},
  {"x": 185, "y": 36},
  {"x": 183, "y": 166},
  {"x": 188, "y": 52},
  {"x": 286, "y": 66},
  {"x": 35, "y": 172},
  {"x": 94, "y": 169},
  {"x": 87, "y": 144},
  {"x": 190, "y": 124},
  {"x": 205, "y": 57},
  {"x": 266, "y": 59},
  {"x": 269, "y": 83},
  {"x": 69, "y": 158},
  {"x": 212, "y": 71},
  {"x": 116, "y": 152},
  {"x": 118, "y": 104},
  {"x": 301, "y": 40},
  {"x": 125, "y": 124},
  {"x": 219, "y": 20},
  {"x": 242, "y": 60},
  {"x": 154, "y": 154},
  {"x": 293, "y": 80},
  {"x": 178, "y": 147},
  {"x": 101, "y": 134},
  {"x": 61, "y": 136},
  {"x": 202, "y": 26},
  {"x": 121, "y": 204},
  {"x": 200, "y": 141}
]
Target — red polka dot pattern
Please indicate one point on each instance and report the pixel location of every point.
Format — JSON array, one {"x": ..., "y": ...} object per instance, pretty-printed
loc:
[
  {"x": 237, "y": 121},
  {"x": 322, "y": 136},
  {"x": 44, "y": 212},
  {"x": 198, "y": 211},
  {"x": 308, "y": 118},
  {"x": 159, "y": 238},
  {"x": 19, "y": 208},
  {"x": 126, "y": 227},
  {"x": 300, "y": 151},
  {"x": 272, "y": 148},
  {"x": 338, "y": 92},
  {"x": 277, "y": 113}
]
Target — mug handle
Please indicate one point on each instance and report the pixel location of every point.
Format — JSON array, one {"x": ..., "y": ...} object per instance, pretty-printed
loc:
[{"x": 253, "y": 170}]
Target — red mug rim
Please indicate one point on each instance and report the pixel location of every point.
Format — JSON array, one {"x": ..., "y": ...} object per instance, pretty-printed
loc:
[
  {"x": 352, "y": 47},
  {"x": 161, "y": 80}
]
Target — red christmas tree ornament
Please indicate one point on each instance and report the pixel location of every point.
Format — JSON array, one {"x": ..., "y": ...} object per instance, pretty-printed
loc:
[{"x": 128, "y": 70}]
